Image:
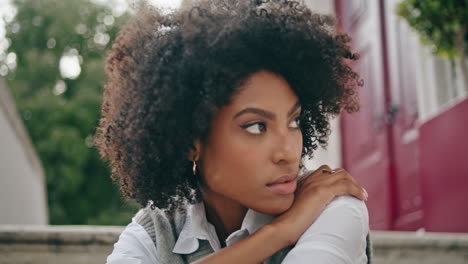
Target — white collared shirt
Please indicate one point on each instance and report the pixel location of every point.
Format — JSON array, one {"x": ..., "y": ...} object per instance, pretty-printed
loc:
[{"x": 338, "y": 235}]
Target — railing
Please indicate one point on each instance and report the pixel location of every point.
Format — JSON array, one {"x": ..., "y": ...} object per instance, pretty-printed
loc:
[{"x": 92, "y": 244}]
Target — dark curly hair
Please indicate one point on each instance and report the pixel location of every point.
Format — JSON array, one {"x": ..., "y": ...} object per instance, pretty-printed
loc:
[{"x": 168, "y": 74}]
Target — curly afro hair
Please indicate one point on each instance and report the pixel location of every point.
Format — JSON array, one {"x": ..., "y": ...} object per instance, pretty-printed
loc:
[{"x": 168, "y": 74}]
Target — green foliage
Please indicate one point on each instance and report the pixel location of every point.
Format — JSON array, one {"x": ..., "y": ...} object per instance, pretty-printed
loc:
[
  {"x": 60, "y": 113},
  {"x": 437, "y": 21}
]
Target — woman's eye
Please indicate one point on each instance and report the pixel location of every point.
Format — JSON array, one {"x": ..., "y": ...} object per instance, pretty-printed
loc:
[
  {"x": 259, "y": 127},
  {"x": 295, "y": 123},
  {"x": 255, "y": 128}
]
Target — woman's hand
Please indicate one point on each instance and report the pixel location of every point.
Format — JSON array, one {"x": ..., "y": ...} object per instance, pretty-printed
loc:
[{"x": 312, "y": 195}]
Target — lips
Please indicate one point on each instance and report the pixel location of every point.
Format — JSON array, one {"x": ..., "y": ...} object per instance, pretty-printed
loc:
[
  {"x": 283, "y": 179},
  {"x": 284, "y": 185}
]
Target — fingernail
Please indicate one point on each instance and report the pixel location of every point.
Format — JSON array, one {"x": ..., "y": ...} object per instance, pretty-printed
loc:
[{"x": 365, "y": 193}]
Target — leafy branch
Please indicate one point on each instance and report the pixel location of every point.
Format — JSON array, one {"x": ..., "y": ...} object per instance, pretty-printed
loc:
[{"x": 441, "y": 24}]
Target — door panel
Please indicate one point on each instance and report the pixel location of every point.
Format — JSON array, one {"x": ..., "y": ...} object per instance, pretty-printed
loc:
[
  {"x": 380, "y": 143},
  {"x": 364, "y": 134},
  {"x": 403, "y": 63}
]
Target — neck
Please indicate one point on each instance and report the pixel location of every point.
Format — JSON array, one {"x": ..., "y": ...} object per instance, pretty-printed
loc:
[{"x": 226, "y": 215}]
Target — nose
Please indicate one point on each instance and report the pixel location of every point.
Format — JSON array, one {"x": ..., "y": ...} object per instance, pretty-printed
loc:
[{"x": 287, "y": 149}]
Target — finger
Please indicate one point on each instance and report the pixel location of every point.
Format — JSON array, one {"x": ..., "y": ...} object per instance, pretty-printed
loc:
[
  {"x": 324, "y": 167},
  {"x": 346, "y": 187},
  {"x": 342, "y": 174},
  {"x": 326, "y": 178},
  {"x": 333, "y": 179},
  {"x": 319, "y": 171},
  {"x": 331, "y": 171},
  {"x": 315, "y": 173},
  {"x": 338, "y": 170},
  {"x": 322, "y": 171},
  {"x": 316, "y": 179}
]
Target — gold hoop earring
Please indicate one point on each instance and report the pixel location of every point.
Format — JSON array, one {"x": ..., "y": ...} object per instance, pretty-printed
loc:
[{"x": 194, "y": 168}]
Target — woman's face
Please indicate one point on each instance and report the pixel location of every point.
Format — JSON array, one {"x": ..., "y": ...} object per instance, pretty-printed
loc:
[{"x": 253, "y": 141}]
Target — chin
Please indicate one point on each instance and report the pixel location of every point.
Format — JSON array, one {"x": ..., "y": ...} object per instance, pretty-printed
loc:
[{"x": 278, "y": 207}]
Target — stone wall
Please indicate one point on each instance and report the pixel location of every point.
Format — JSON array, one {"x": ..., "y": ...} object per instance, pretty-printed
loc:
[
  {"x": 92, "y": 244},
  {"x": 56, "y": 244},
  {"x": 419, "y": 247}
]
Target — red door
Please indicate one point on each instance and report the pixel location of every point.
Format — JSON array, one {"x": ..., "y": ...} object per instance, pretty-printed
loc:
[
  {"x": 380, "y": 141},
  {"x": 365, "y": 135},
  {"x": 402, "y": 51}
]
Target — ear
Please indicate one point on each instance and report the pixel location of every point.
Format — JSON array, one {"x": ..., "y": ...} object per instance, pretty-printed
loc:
[{"x": 194, "y": 152}]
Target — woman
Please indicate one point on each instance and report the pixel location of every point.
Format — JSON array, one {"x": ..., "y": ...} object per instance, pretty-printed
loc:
[{"x": 207, "y": 115}]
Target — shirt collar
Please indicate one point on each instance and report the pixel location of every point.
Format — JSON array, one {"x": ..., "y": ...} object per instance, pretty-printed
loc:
[
  {"x": 197, "y": 227},
  {"x": 253, "y": 220}
]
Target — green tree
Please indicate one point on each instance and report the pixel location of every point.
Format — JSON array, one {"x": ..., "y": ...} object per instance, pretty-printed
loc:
[
  {"x": 443, "y": 24},
  {"x": 60, "y": 46}
]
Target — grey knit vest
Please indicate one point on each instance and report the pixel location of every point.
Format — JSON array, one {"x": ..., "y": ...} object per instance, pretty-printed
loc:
[{"x": 164, "y": 231}]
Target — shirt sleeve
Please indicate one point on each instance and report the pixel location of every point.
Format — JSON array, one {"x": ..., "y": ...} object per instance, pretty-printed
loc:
[
  {"x": 337, "y": 236},
  {"x": 134, "y": 247}
]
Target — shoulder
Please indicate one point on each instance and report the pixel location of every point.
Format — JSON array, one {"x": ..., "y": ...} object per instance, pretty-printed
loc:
[
  {"x": 348, "y": 207},
  {"x": 151, "y": 231},
  {"x": 345, "y": 216},
  {"x": 338, "y": 235},
  {"x": 133, "y": 246}
]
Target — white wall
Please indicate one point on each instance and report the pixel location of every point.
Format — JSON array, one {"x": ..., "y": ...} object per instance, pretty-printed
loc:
[
  {"x": 321, "y": 6},
  {"x": 332, "y": 155},
  {"x": 22, "y": 183}
]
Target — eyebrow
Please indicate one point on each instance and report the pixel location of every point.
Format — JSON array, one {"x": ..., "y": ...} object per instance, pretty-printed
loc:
[{"x": 264, "y": 113}]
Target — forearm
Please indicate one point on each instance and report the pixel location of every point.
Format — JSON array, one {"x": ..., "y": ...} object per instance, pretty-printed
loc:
[{"x": 253, "y": 249}]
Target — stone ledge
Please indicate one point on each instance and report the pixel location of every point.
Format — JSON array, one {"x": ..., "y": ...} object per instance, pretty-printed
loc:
[
  {"x": 64, "y": 235},
  {"x": 92, "y": 244},
  {"x": 85, "y": 234},
  {"x": 56, "y": 244},
  {"x": 419, "y": 247},
  {"x": 419, "y": 240}
]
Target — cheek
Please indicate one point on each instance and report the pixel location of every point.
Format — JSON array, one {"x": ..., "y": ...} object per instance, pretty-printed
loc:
[
  {"x": 299, "y": 142},
  {"x": 232, "y": 163},
  {"x": 248, "y": 154}
]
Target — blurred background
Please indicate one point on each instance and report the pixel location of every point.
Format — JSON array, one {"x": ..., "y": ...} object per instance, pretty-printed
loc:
[
  {"x": 407, "y": 145},
  {"x": 51, "y": 65}
]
